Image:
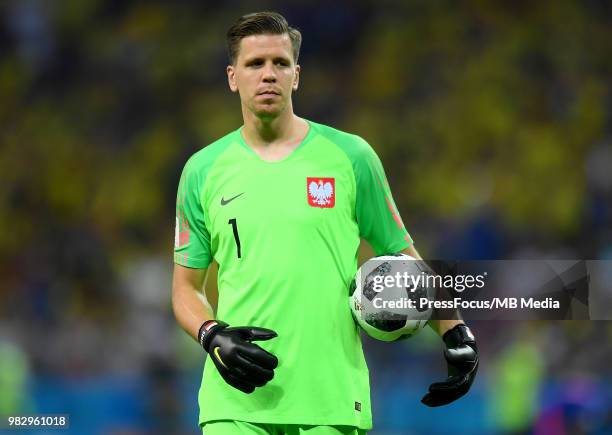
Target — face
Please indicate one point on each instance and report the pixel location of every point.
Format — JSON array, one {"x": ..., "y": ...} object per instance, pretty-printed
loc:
[{"x": 264, "y": 74}]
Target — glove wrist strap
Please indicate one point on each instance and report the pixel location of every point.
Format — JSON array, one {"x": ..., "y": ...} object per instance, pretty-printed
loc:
[{"x": 208, "y": 329}]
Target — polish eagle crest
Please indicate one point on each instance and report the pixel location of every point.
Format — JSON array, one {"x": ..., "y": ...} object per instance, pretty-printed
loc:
[{"x": 321, "y": 192}]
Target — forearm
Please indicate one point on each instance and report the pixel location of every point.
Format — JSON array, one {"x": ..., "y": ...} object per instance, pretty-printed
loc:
[
  {"x": 439, "y": 326},
  {"x": 190, "y": 309},
  {"x": 411, "y": 250}
]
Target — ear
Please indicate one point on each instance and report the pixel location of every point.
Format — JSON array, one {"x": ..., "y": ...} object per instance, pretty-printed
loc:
[
  {"x": 231, "y": 78},
  {"x": 296, "y": 78}
]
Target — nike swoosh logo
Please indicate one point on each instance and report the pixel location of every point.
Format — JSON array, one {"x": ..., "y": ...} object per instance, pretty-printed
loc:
[
  {"x": 218, "y": 355},
  {"x": 227, "y": 201}
]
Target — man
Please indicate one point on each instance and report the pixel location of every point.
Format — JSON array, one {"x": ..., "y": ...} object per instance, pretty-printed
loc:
[{"x": 280, "y": 204}]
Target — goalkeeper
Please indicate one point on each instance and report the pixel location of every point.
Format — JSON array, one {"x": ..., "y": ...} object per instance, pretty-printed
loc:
[{"x": 281, "y": 204}]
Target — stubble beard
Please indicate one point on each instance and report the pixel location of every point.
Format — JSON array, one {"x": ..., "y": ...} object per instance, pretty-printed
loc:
[{"x": 265, "y": 112}]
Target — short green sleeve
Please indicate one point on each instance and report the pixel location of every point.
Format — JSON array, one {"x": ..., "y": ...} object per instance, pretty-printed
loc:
[
  {"x": 191, "y": 238},
  {"x": 377, "y": 216}
]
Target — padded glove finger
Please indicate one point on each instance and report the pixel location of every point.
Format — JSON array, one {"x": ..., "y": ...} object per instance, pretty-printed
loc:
[{"x": 461, "y": 356}]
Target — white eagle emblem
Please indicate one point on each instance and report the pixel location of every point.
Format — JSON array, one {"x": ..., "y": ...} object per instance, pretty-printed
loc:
[{"x": 320, "y": 192}]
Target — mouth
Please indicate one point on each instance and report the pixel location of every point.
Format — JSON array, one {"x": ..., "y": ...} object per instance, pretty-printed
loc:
[{"x": 268, "y": 93}]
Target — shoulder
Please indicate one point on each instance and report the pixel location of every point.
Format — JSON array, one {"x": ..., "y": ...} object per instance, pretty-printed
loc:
[
  {"x": 201, "y": 161},
  {"x": 355, "y": 147}
]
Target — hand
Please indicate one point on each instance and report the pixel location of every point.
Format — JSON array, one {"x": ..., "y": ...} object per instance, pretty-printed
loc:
[
  {"x": 242, "y": 364},
  {"x": 461, "y": 356}
]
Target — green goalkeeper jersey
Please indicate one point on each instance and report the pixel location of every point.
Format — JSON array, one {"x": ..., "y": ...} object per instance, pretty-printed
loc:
[{"x": 285, "y": 235}]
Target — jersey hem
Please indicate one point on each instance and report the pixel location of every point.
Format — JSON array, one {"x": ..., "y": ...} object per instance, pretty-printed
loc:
[
  {"x": 293, "y": 420},
  {"x": 404, "y": 244},
  {"x": 190, "y": 262}
]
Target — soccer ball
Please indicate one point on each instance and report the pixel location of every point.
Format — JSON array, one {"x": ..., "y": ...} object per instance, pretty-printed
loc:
[{"x": 381, "y": 296}]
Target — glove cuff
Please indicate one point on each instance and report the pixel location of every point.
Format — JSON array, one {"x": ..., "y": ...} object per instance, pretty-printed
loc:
[
  {"x": 208, "y": 330},
  {"x": 459, "y": 334}
]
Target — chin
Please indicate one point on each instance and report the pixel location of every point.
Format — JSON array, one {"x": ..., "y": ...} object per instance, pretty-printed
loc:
[{"x": 267, "y": 112}]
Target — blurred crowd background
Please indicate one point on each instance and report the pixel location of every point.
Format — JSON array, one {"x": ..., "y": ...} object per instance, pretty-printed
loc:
[{"x": 493, "y": 121}]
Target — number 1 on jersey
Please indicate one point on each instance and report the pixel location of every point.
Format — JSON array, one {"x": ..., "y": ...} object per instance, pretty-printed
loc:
[{"x": 234, "y": 225}]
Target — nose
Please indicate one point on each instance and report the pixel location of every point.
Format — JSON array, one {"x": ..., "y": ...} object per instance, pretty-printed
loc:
[{"x": 269, "y": 73}]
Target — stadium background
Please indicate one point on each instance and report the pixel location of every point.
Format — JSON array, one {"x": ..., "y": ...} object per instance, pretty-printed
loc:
[{"x": 493, "y": 120}]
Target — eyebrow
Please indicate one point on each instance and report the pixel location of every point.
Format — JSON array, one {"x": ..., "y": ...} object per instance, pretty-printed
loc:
[{"x": 260, "y": 58}]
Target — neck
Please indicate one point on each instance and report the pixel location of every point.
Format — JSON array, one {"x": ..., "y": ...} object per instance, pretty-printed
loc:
[{"x": 262, "y": 131}]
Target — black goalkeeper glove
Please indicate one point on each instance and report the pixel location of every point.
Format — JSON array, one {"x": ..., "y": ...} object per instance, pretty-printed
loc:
[
  {"x": 461, "y": 355},
  {"x": 242, "y": 364}
]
